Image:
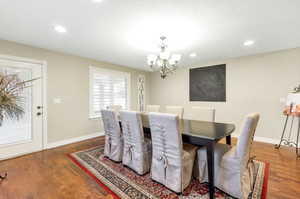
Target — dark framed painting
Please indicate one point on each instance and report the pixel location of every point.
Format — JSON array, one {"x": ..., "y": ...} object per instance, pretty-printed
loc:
[{"x": 208, "y": 83}]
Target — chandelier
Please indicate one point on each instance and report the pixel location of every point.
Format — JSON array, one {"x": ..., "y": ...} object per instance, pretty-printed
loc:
[{"x": 164, "y": 62}]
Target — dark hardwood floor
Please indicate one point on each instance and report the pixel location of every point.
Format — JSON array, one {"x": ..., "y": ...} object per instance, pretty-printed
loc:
[{"x": 52, "y": 175}]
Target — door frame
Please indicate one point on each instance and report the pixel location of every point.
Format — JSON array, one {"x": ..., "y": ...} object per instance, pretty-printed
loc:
[{"x": 44, "y": 91}]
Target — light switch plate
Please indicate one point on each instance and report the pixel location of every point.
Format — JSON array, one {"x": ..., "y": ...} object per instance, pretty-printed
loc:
[
  {"x": 282, "y": 100},
  {"x": 57, "y": 100}
]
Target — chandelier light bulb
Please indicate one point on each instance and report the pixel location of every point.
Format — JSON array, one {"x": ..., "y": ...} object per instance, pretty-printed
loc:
[{"x": 159, "y": 63}]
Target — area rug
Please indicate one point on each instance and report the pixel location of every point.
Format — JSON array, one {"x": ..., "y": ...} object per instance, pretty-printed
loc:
[{"x": 122, "y": 182}]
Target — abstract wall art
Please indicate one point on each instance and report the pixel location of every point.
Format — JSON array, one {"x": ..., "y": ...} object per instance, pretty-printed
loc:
[{"x": 208, "y": 83}]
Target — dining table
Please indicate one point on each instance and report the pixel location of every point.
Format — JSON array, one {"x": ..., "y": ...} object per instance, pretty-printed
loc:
[{"x": 201, "y": 134}]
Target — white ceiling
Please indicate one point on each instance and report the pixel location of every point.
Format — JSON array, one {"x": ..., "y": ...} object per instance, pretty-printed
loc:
[{"x": 125, "y": 31}]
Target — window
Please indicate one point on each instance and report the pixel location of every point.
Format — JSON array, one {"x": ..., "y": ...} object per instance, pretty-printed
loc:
[{"x": 108, "y": 87}]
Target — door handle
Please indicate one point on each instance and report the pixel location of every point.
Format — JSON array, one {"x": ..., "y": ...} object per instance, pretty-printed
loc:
[
  {"x": 39, "y": 107},
  {"x": 39, "y": 113}
]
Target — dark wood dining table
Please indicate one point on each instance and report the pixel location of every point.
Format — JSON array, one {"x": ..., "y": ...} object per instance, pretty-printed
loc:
[{"x": 202, "y": 133}]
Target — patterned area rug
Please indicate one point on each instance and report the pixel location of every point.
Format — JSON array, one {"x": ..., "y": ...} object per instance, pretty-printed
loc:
[{"x": 122, "y": 182}]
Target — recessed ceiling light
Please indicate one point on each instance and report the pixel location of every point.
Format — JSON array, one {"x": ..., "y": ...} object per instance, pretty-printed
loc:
[
  {"x": 193, "y": 55},
  {"x": 97, "y": 1},
  {"x": 60, "y": 29},
  {"x": 249, "y": 43}
]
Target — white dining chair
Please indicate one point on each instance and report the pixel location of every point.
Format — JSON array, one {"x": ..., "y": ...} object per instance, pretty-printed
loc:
[
  {"x": 177, "y": 110},
  {"x": 202, "y": 114},
  {"x": 113, "y": 148},
  {"x": 137, "y": 148},
  {"x": 153, "y": 108},
  {"x": 232, "y": 166},
  {"x": 172, "y": 161}
]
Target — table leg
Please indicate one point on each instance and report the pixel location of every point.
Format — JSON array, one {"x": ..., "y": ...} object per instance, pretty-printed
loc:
[
  {"x": 211, "y": 169},
  {"x": 228, "y": 139}
]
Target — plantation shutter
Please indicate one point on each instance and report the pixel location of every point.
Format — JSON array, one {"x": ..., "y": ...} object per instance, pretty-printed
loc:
[{"x": 108, "y": 87}]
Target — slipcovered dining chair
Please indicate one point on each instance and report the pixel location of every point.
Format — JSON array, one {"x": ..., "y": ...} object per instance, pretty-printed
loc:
[
  {"x": 113, "y": 148},
  {"x": 177, "y": 110},
  {"x": 233, "y": 167},
  {"x": 172, "y": 161},
  {"x": 201, "y": 114},
  {"x": 152, "y": 108},
  {"x": 137, "y": 148}
]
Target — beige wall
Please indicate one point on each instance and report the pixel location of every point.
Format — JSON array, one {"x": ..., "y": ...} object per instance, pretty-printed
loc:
[
  {"x": 254, "y": 84},
  {"x": 68, "y": 79}
]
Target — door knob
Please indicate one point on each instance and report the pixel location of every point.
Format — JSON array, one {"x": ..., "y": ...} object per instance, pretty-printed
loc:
[
  {"x": 39, "y": 107},
  {"x": 39, "y": 113}
]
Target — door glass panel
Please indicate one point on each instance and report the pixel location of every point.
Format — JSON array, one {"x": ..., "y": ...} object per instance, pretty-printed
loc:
[{"x": 20, "y": 131}]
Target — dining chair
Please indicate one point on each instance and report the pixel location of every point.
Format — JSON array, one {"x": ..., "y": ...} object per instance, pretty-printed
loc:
[
  {"x": 233, "y": 166},
  {"x": 137, "y": 148},
  {"x": 113, "y": 148},
  {"x": 152, "y": 108},
  {"x": 201, "y": 114},
  {"x": 177, "y": 110},
  {"x": 172, "y": 161}
]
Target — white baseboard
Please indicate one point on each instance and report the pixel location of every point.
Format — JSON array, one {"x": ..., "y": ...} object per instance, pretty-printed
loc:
[
  {"x": 11, "y": 156},
  {"x": 261, "y": 139},
  {"x": 266, "y": 140},
  {"x": 73, "y": 140}
]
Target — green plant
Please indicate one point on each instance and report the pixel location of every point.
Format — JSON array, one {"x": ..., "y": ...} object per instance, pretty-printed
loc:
[{"x": 11, "y": 99}]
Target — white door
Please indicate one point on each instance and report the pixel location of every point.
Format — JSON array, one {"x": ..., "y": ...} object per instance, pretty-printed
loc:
[{"x": 26, "y": 135}]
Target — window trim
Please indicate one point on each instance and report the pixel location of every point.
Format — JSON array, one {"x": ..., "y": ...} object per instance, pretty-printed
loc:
[{"x": 92, "y": 70}]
